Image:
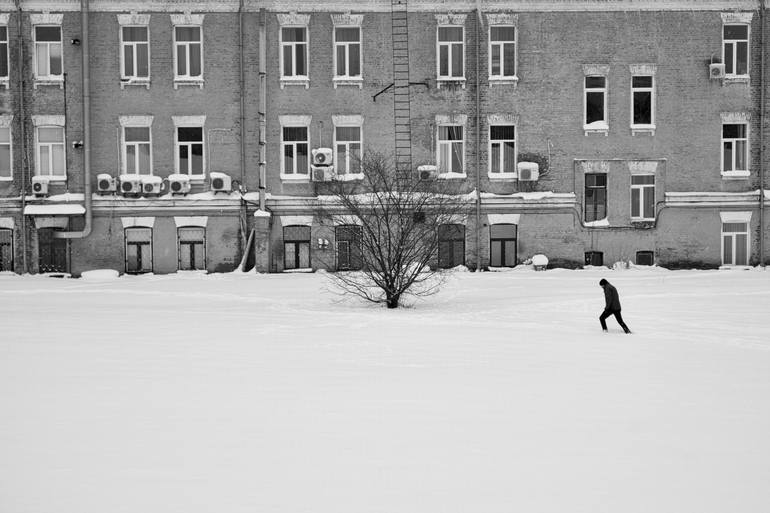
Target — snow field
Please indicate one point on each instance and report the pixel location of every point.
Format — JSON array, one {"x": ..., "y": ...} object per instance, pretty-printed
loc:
[{"x": 265, "y": 393}]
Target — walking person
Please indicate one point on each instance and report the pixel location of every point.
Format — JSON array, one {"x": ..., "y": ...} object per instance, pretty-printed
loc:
[{"x": 611, "y": 306}]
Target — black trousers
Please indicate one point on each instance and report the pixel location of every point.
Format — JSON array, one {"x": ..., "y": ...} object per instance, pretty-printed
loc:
[{"x": 618, "y": 317}]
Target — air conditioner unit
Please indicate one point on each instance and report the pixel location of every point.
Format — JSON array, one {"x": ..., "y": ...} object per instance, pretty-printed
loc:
[
  {"x": 323, "y": 157},
  {"x": 130, "y": 185},
  {"x": 528, "y": 171},
  {"x": 151, "y": 185},
  {"x": 40, "y": 185},
  {"x": 221, "y": 182},
  {"x": 179, "y": 184},
  {"x": 322, "y": 173},
  {"x": 427, "y": 172},
  {"x": 716, "y": 71},
  {"x": 106, "y": 184}
]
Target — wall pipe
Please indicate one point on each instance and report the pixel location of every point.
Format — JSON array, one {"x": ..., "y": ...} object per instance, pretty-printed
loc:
[
  {"x": 243, "y": 93},
  {"x": 762, "y": 153},
  {"x": 23, "y": 125},
  {"x": 478, "y": 138},
  {"x": 86, "y": 70},
  {"x": 262, "y": 106}
]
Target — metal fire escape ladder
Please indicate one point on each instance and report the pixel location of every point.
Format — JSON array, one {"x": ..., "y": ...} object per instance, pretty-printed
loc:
[{"x": 401, "y": 99}]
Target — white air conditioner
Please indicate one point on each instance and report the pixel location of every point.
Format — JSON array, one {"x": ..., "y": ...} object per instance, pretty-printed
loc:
[
  {"x": 323, "y": 157},
  {"x": 427, "y": 172},
  {"x": 322, "y": 173},
  {"x": 151, "y": 185},
  {"x": 179, "y": 184},
  {"x": 106, "y": 184},
  {"x": 130, "y": 185},
  {"x": 40, "y": 185},
  {"x": 716, "y": 71},
  {"x": 528, "y": 171},
  {"x": 221, "y": 182}
]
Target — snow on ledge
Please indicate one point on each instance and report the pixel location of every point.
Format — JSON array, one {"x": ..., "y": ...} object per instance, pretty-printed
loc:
[
  {"x": 67, "y": 209},
  {"x": 262, "y": 213},
  {"x": 596, "y": 224}
]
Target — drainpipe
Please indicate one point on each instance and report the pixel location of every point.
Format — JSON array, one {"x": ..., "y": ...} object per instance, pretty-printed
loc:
[
  {"x": 763, "y": 86},
  {"x": 243, "y": 93},
  {"x": 262, "y": 107},
  {"x": 84, "y": 58},
  {"x": 23, "y": 125},
  {"x": 478, "y": 138}
]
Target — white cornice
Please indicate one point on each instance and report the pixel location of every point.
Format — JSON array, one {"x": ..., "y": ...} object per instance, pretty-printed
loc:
[
  {"x": 189, "y": 120},
  {"x": 735, "y": 117},
  {"x": 503, "y": 119},
  {"x": 133, "y": 19},
  {"x": 187, "y": 19},
  {"x": 596, "y": 69},
  {"x": 4, "y": 18},
  {"x": 6, "y": 120},
  {"x": 294, "y": 120},
  {"x": 642, "y": 167},
  {"x": 451, "y": 19},
  {"x": 349, "y": 20},
  {"x": 451, "y": 119},
  {"x": 46, "y": 18},
  {"x": 135, "y": 120},
  {"x": 643, "y": 69},
  {"x": 293, "y": 18},
  {"x": 502, "y": 18},
  {"x": 48, "y": 120},
  {"x": 595, "y": 166},
  {"x": 348, "y": 120},
  {"x": 737, "y": 17}
]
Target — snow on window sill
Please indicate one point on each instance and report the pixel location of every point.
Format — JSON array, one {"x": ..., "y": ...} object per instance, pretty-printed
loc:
[
  {"x": 736, "y": 79},
  {"x": 295, "y": 81},
  {"x": 295, "y": 177},
  {"x": 452, "y": 176},
  {"x": 597, "y": 224},
  {"x": 499, "y": 80},
  {"x": 188, "y": 82},
  {"x": 735, "y": 175},
  {"x": 597, "y": 127},
  {"x": 48, "y": 81},
  {"x": 141, "y": 82},
  {"x": 6, "y": 178},
  {"x": 299, "y": 270},
  {"x": 642, "y": 129},
  {"x": 348, "y": 81},
  {"x": 450, "y": 81},
  {"x": 733, "y": 267},
  {"x": 4, "y": 82},
  {"x": 349, "y": 177},
  {"x": 500, "y": 177}
]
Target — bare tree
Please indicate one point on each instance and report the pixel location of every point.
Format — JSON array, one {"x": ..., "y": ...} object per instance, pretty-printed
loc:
[{"x": 391, "y": 225}]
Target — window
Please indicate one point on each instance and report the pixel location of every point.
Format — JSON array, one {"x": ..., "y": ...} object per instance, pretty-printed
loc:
[
  {"x": 502, "y": 150},
  {"x": 451, "y": 47},
  {"x": 596, "y": 196},
  {"x": 192, "y": 248},
  {"x": 642, "y": 101},
  {"x": 347, "y": 141},
  {"x": 735, "y": 243},
  {"x": 138, "y": 250},
  {"x": 451, "y": 149},
  {"x": 6, "y": 169},
  {"x": 135, "y": 42},
  {"x": 294, "y": 52},
  {"x": 645, "y": 258},
  {"x": 6, "y": 249},
  {"x": 736, "y": 50},
  {"x": 348, "y": 239},
  {"x": 594, "y": 258},
  {"x": 502, "y": 52},
  {"x": 735, "y": 147},
  {"x": 642, "y": 197},
  {"x": 137, "y": 150},
  {"x": 596, "y": 102},
  {"x": 451, "y": 245},
  {"x": 51, "y": 252},
  {"x": 189, "y": 150},
  {"x": 50, "y": 155},
  {"x": 294, "y": 145},
  {"x": 296, "y": 247},
  {"x": 48, "y": 52},
  {"x": 188, "y": 53},
  {"x": 3, "y": 53},
  {"x": 502, "y": 245},
  {"x": 347, "y": 52}
]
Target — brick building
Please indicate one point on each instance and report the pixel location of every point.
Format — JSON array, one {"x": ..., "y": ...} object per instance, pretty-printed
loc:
[{"x": 165, "y": 135}]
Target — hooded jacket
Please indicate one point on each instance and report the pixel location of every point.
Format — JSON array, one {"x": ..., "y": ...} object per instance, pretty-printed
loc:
[{"x": 611, "y": 298}]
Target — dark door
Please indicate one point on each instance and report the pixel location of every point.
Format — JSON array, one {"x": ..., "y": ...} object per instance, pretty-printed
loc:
[
  {"x": 502, "y": 245},
  {"x": 52, "y": 253},
  {"x": 451, "y": 245}
]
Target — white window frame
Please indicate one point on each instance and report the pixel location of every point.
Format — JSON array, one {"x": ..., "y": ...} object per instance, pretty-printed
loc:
[
  {"x": 293, "y": 20},
  {"x": 136, "y": 144},
  {"x": 123, "y": 44},
  {"x": 39, "y": 145},
  {"x": 736, "y": 18},
  {"x": 501, "y": 77},
  {"x": 643, "y": 70},
  {"x": 448, "y": 121},
  {"x": 134, "y": 20},
  {"x": 187, "y": 78},
  {"x": 134, "y": 122},
  {"x": 178, "y": 144},
  {"x": 346, "y": 45},
  {"x": 735, "y": 217},
  {"x": 49, "y": 77},
  {"x": 451, "y": 77},
  {"x": 295, "y": 122},
  {"x": 602, "y": 126},
  {"x": 644, "y": 190},
  {"x": 735, "y": 118},
  {"x": 349, "y": 122},
  {"x": 5, "y": 80},
  {"x": 6, "y": 124},
  {"x": 348, "y": 21},
  {"x": 502, "y": 174}
]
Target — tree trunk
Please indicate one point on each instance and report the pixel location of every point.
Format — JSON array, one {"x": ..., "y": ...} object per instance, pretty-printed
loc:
[{"x": 392, "y": 301}]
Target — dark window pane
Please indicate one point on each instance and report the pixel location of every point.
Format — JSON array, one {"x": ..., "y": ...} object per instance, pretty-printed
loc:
[
  {"x": 188, "y": 34},
  {"x": 287, "y": 61},
  {"x": 355, "y": 60},
  {"x": 341, "y": 71},
  {"x": 594, "y": 82},
  {"x": 642, "y": 81},
  {"x": 48, "y": 34},
  {"x": 457, "y": 60},
  {"x": 295, "y": 133},
  {"x": 736, "y": 31},
  {"x": 296, "y": 233},
  {"x": 347, "y": 34},
  {"x": 737, "y": 131},
  {"x": 190, "y": 134},
  {"x": 497, "y": 132},
  {"x": 742, "y": 66},
  {"x": 293, "y": 34},
  {"x": 142, "y": 64},
  {"x": 3, "y": 33},
  {"x": 195, "y": 60},
  {"x": 137, "y": 134},
  {"x": 644, "y": 258},
  {"x": 594, "y": 107},
  {"x": 299, "y": 55},
  {"x": 502, "y": 231},
  {"x": 643, "y": 108},
  {"x": 502, "y": 33},
  {"x": 450, "y": 34}
]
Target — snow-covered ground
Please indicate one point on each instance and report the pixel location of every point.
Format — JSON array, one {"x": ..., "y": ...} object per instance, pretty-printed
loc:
[{"x": 263, "y": 394}]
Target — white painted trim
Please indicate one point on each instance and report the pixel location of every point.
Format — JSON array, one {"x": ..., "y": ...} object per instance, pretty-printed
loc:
[
  {"x": 132, "y": 120},
  {"x": 51, "y": 222},
  {"x": 735, "y": 117},
  {"x": 347, "y": 120},
  {"x": 601, "y": 70},
  {"x": 642, "y": 167},
  {"x": 187, "y": 19},
  {"x": 450, "y": 19},
  {"x": 735, "y": 217},
  {"x": 295, "y": 120},
  {"x": 4, "y": 18},
  {"x": 133, "y": 19},
  {"x": 451, "y": 119},
  {"x": 293, "y": 19},
  {"x": 141, "y": 222},
  {"x": 502, "y": 119},
  {"x": 643, "y": 69},
  {"x": 182, "y": 221},
  {"x": 188, "y": 120},
  {"x": 7, "y": 222},
  {"x": 347, "y": 20},
  {"x": 343, "y": 220},
  {"x": 503, "y": 18},
  {"x": 503, "y": 218},
  {"x": 296, "y": 220},
  {"x": 729, "y": 18},
  {"x": 46, "y": 18},
  {"x": 595, "y": 166},
  {"x": 48, "y": 120},
  {"x": 6, "y": 120}
]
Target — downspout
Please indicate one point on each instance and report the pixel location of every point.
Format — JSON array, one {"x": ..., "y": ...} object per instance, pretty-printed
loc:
[
  {"x": 763, "y": 86},
  {"x": 262, "y": 107},
  {"x": 244, "y": 225},
  {"x": 84, "y": 57},
  {"x": 23, "y": 125},
  {"x": 478, "y": 138}
]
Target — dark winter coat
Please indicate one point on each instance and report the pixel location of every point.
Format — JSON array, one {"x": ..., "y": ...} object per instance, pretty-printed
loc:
[{"x": 611, "y": 298}]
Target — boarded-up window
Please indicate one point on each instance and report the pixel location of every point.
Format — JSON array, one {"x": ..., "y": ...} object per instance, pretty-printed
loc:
[
  {"x": 594, "y": 258},
  {"x": 645, "y": 258}
]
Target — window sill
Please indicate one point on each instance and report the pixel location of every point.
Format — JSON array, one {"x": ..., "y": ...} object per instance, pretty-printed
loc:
[
  {"x": 134, "y": 82},
  {"x": 643, "y": 130},
  {"x": 295, "y": 81},
  {"x": 452, "y": 176},
  {"x": 514, "y": 81},
  {"x": 735, "y": 175},
  {"x": 6, "y": 178},
  {"x": 601, "y": 223},
  {"x": 502, "y": 177},
  {"x": 48, "y": 82},
  {"x": 736, "y": 79},
  {"x": 597, "y": 128},
  {"x": 196, "y": 82},
  {"x": 349, "y": 177},
  {"x": 5, "y": 82},
  {"x": 348, "y": 81},
  {"x": 643, "y": 224},
  {"x": 449, "y": 81},
  {"x": 299, "y": 178}
]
